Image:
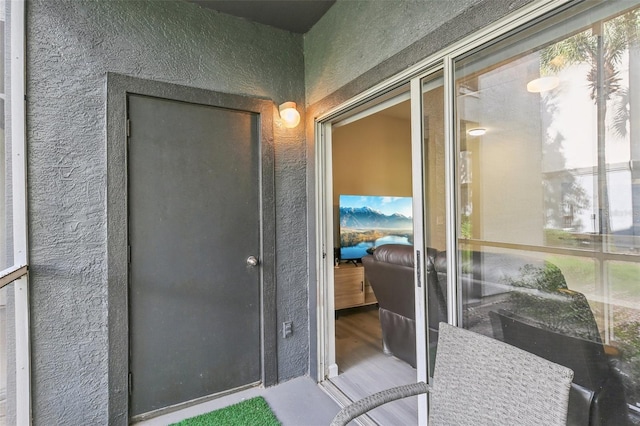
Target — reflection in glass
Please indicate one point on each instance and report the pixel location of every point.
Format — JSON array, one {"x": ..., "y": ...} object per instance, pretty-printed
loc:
[{"x": 549, "y": 202}]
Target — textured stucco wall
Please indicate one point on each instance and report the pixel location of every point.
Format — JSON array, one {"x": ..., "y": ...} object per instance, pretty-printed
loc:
[
  {"x": 356, "y": 35},
  {"x": 71, "y": 45}
]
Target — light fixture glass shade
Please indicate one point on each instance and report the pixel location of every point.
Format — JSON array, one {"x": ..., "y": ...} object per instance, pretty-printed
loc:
[
  {"x": 478, "y": 131},
  {"x": 543, "y": 84},
  {"x": 289, "y": 114}
]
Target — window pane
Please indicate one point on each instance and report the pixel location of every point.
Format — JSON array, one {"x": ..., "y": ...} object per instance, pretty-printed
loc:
[{"x": 549, "y": 197}]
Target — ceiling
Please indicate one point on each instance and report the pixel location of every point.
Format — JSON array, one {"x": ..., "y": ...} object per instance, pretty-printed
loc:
[{"x": 297, "y": 16}]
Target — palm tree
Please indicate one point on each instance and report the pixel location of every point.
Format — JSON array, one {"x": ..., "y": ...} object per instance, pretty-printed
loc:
[{"x": 603, "y": 47}]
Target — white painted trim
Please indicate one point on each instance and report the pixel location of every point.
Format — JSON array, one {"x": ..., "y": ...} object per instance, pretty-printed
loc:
[
  {"x": 417, "y": 173},
  {"x": 450, "y": 190},
  {"x": 20, "y": 255},
  {"x": 327, "y": 366},
  {"x": 18, "y": 133},
  {"x": 370, "y": 111},
  {"x": 319, "y": 264},
  {"x": 23, "y": 353},
  {"x": 328, "y": 259}
]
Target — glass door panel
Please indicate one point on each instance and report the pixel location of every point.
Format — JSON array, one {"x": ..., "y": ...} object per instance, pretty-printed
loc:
[
  {"x": 371, "y": 204},
  {"x": 434, "y": 208},
  {"x": 548, "y": 198}
]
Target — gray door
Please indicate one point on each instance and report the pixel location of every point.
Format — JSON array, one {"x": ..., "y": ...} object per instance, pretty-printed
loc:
[{"x": 194, "y": 220}]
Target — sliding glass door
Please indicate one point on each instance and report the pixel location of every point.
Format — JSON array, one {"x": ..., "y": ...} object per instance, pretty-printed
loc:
[
  {"x": 548, "y": 199},
  {"x": 526, "y": 196}
]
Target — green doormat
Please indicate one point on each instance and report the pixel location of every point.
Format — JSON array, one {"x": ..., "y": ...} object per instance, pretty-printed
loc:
[{"x": 252, "y": 412}]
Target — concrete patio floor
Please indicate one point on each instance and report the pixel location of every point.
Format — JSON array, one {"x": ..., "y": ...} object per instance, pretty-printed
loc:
[{"x": 298, "y": 402}]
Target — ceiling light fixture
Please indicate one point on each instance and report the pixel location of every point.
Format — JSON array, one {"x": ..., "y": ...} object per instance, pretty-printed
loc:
[
  {"x": 543, "y": 84},
  {"x": 289, "y": 114},
  {"x": 478, "y": 131}
]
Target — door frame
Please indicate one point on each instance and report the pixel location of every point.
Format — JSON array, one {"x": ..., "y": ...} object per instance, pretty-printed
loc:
[
  {"x": 367, "y": 103},
  {"x": 118, "y": 87}
]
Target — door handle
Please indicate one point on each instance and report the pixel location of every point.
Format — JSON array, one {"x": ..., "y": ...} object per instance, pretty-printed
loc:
[{"x": 252, "y": 261}]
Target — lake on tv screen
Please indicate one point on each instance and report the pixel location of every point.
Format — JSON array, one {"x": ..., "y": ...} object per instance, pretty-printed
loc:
[{"x": 360, "y": 250}]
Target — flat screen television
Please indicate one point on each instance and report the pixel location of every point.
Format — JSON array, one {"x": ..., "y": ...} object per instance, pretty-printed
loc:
[{"x": 369, "y": 221}]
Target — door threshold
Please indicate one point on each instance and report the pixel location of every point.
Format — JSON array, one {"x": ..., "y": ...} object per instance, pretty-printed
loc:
[
  {"x": 343, "y": 400},
  {"x": 183, "y": 405}
]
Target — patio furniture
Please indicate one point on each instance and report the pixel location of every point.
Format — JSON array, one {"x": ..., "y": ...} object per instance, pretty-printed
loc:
[
  {"x": 597, "y": 395},
  {"x": 482, "y": 381}
]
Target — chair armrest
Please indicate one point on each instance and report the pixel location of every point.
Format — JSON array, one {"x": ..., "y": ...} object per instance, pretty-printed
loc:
[{"x": 375, "y": 400}]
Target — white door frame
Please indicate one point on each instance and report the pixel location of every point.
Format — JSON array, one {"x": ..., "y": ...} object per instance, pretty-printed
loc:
[
  {"x": 327, "y": 366},
  {"x": 418, "y": 175}
]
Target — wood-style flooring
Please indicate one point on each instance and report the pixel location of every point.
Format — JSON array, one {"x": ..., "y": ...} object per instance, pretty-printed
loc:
[{"x": 364, "y": 369}]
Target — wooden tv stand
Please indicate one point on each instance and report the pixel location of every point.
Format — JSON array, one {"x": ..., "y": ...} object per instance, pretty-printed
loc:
[{"x": 351, "y": 289}]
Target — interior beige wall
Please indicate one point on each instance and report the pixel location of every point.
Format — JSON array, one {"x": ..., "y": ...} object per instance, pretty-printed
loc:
[{"x": 371, "y": 156}]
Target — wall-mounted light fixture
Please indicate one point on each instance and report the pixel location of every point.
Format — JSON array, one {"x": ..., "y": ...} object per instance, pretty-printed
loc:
[
  {"x": 478, "y": 131},
  {"x": 543, "y": 84},
  {"x": 289, "y": 114}
]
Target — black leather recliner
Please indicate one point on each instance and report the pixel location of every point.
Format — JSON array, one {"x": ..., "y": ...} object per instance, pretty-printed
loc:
[{"x": 390, "y": 271}]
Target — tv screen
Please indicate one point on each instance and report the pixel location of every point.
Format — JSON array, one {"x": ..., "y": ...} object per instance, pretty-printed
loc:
[{"x": 369, "y": 221}]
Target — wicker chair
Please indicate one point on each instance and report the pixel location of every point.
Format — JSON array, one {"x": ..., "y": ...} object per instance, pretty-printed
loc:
[{"x": 481, "y": 381}]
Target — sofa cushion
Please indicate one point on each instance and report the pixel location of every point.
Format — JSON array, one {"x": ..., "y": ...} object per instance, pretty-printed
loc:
[
  {"x": 398, "y": 254},
  {"x": 392, "y": 283}
]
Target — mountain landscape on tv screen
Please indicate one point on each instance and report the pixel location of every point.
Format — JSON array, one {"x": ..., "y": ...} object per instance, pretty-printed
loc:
[
  {"x": 368, "y": 218},
  {"x": 363, "y": 228}
]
